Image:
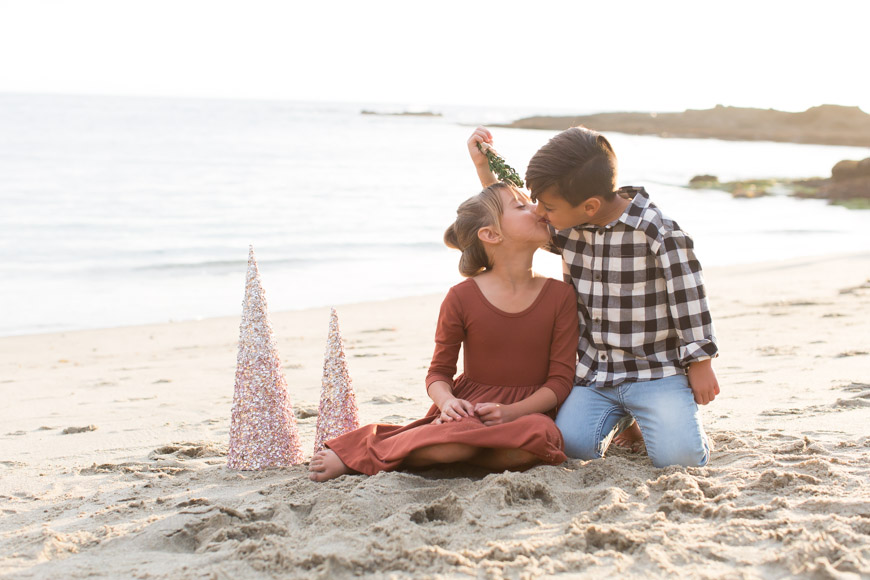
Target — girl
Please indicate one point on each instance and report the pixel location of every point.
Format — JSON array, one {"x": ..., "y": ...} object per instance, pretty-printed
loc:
[{"x": 519, "y": 335}]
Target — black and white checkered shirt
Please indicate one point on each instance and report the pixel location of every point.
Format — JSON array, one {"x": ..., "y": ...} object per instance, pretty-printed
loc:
[{"x": 643, "y": 310}]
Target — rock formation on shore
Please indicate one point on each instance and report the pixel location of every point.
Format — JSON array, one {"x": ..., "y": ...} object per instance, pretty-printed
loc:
[
  {"x": 824, "y": 125},
  {"x": 849, "y": 185}
]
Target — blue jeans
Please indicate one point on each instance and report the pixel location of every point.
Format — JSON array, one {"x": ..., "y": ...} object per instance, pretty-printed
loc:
[{"x": 665, "y": 411}]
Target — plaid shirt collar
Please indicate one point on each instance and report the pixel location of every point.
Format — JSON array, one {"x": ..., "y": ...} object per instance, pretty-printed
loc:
[{"x": 632, "y": 214}]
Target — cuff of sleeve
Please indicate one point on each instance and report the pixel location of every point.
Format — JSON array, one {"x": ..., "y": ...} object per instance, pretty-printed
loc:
[
  {"x": 698, "y": 351},
  {"x": 433, "y": 378},
  {"x": 560, "y": 389}
]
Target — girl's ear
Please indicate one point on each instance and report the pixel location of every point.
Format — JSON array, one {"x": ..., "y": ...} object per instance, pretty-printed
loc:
[{"x": 488, "y": 235}]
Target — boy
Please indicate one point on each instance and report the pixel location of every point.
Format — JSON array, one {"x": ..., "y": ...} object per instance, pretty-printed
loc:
[{"x": 647, "y": 338}]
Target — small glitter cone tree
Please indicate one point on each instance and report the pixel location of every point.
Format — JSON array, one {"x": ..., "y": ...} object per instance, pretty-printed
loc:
[
  {"x": 263, "y": 430},
  {"x": 338, "y": 412}
]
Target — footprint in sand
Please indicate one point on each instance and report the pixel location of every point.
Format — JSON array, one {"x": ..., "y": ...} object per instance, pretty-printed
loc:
[
  {"x": 189, "y": 450},
  {"x": 849, "y": 353},
  {"x": 74, "y": 430},
  {"x": 393, "y": 420},
  {"x": 224, "y": 524},
  {"x": 860, "y": 400},
  {"x": 446, "y": 509},
  {"x": 775, "y": 350},
  {"x": 305, "y": 411},
  {"x": 389, "y": 399},
  {"x": 855, "y": 289}
]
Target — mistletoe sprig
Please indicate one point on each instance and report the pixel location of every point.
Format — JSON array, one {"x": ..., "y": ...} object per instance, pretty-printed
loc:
[{"x": 498, "y": 165}]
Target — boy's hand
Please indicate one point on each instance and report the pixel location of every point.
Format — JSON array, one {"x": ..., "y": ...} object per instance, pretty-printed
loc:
[
  {"x": 703, "y": 381},
  {"x": 480, "y": 135},
  {"x": 494, "y": 413},
  {"x": 454, "y": 409}
]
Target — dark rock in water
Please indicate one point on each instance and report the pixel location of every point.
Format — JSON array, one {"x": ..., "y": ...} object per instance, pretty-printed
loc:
[
  {"x": 845, "y": 170},
  {"x": 850, "y": 180},
  {"x": 699, "y": 179},
  {"x": 849, "y": 185},
  {"x": 858, "y": 188}
]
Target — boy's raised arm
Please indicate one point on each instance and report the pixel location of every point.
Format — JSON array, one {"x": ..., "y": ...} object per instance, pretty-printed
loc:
[{"x": 481, "y": 163}]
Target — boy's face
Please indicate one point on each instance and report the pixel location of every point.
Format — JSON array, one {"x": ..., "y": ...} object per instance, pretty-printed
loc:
[{"x": 561, "y": 214}]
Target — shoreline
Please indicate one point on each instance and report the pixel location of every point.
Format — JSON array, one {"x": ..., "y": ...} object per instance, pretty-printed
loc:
[
  {"x": 363, "y": 303},
  {"x": 146, "y": 490}
]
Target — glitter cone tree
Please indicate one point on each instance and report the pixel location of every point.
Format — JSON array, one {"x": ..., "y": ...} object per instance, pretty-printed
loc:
[
  {"x": 263, "y": 430},
  {"x": 338, "y": 412}
]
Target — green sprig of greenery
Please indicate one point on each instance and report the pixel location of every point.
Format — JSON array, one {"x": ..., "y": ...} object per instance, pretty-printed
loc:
[{"x": 501, "y": 169}]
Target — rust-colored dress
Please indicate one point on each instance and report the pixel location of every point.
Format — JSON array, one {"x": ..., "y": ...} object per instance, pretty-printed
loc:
[{"x": 508, "y": 356}]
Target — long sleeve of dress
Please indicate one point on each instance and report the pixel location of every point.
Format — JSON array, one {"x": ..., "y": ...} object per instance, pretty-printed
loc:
[
  {"x": 563, "y": 348},
  {"x": 449, "y": 334}
]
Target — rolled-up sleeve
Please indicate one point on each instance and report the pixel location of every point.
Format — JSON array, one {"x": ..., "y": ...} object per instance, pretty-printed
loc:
[{"x": 687, "y": 299}]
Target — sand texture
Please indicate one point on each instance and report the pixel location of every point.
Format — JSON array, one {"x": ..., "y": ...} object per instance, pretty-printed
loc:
[{"x": 113, "y": 456}]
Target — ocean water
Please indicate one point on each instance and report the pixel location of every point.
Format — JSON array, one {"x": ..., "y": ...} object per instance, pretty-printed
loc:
[{"x": 122, "y": 211}]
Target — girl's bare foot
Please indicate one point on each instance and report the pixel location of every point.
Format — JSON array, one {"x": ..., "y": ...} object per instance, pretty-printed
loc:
[
  {"x": 326, "y": 465},
  {"x": 630, "y": 438}
]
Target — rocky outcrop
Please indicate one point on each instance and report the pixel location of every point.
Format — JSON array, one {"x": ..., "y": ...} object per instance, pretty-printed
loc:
[
  {"x": 825, "y": 125},
  {"x": 848, "y": 185}
]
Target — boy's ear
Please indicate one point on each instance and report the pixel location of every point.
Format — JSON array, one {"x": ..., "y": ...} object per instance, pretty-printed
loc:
[
  {"x": 591, "y": 206},
  {"x": 488, "y": 235}
]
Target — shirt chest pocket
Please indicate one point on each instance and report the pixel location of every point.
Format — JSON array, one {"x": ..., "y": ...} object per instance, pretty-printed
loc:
[{"x": 631, "y": 265}]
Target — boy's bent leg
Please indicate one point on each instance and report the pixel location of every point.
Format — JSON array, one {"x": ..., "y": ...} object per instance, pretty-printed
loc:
[
  {"x": 587, "y": 419},
  {"x": 668, "y": 416}
]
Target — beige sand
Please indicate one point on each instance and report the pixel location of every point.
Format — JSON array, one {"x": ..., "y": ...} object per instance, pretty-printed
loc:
[{"x": 141, "y": 490}]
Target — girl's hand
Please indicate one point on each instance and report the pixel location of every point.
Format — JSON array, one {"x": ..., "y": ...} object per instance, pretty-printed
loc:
[
  {"x": 480, "y": 135},
  {"x": 454, "y": 409},
  {"x": 494, "y": 413}
]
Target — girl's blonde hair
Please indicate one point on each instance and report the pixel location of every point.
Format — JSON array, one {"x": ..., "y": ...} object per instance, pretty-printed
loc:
[{"x": 483, "y": 210}]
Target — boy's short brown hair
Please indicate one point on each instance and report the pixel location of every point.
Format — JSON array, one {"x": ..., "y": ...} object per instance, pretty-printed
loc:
[{"x": 580, "y": 162}]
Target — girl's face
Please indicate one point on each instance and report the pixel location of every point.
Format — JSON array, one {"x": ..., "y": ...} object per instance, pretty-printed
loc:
[{"x": 520, "y": 222}]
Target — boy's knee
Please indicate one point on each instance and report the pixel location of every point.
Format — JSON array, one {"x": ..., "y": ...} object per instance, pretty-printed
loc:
[
  {"x": 579, "y": 447},
  {"x": 684, "y": 456},
  {"x": 584, "y": 452}
]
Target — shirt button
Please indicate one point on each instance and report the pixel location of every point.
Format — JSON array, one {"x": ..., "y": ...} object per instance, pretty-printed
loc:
[
  {"x": 597, "y": 321},
  {"x": 603, "y": 356},
  {"x": 597, "y": 277},
  {"x": 601, "y": 232}
]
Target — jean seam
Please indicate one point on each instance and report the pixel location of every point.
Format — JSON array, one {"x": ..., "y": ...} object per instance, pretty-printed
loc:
[
  {"x": 598, "y": 438},
  {"x": 623, "y": 391}
]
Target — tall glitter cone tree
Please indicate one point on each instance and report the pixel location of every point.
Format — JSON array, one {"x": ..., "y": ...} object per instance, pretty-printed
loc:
[
  {"x": 263, "y": 430},
  {"x": 338, "y": 412}
]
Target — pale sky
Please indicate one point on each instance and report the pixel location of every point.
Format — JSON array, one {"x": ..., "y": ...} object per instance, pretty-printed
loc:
[{"x": 618, "y": 55}]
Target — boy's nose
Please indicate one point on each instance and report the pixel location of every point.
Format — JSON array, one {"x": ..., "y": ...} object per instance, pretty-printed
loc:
[{"x": 540, "y": 210}]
